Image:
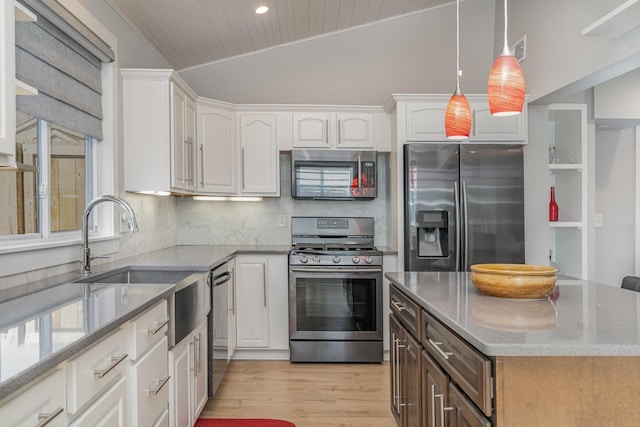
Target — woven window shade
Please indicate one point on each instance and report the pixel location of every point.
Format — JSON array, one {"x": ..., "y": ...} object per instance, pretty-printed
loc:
[{"x": 63, "y": 59}]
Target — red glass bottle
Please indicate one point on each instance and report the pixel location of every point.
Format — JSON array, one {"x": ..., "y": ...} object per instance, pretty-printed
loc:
[{"x": 553, "y": 206}]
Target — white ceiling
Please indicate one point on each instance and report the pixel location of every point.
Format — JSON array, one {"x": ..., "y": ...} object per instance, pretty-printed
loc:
[{"x": 191, "y": 33}]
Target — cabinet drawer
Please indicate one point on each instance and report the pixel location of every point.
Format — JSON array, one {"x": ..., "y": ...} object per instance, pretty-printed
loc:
[
  {"x": 109, "y": 410},
  {"x": 406, "y": 310},
  {"x": 95, "y": 369},
  {"x": 465, "y": 365},
  {"x": 150, "y": 385},
  {"x": 148, "y": 329},
  {"x": 464, "y": 413},
  {"x": 37, "y": 400}
]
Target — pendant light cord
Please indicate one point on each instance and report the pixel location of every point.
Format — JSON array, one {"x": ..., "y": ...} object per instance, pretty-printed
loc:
[
  {"x": 505, "y": 49},
  {"x": 458, "y": 71}
]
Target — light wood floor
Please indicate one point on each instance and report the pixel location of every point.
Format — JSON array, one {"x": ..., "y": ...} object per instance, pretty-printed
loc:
[{"x": 309, "y": 395}]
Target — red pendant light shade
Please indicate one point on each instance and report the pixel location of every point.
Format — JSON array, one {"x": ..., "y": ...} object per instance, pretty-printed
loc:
[
  {"x": 505, "y": 89},
  {"x": 457, "y": 117}
]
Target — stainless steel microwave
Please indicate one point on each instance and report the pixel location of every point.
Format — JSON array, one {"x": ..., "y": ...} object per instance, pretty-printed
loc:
[{"x": 334, "y": 175}]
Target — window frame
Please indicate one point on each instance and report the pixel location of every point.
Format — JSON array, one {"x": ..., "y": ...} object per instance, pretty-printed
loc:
[{"x": 56, "y": 251}]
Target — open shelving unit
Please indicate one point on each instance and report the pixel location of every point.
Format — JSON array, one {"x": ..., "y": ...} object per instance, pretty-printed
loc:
[{"x": 568, "y": 238}]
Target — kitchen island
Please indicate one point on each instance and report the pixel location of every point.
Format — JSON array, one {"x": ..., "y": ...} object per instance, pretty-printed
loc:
[{"x": 574, "y": 361}]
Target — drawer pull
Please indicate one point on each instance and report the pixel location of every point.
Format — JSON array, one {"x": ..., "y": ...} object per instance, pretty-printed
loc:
[
  {"x": 161, "y": 324},
  {"x": 44, "y": 419},
  {"x": 115, "y": 361},
  {"x": 436, "y": 345},
  {"x": 156, "y": 390},
  {"x": 442, "y": 408},
  {"x": 398, "y": 306}
]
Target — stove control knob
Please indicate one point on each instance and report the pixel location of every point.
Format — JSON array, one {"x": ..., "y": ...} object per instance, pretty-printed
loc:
[
  {"x": 356, "y": 260},
  {"x": 368, "y": 260},
  {"x": 304, "y": 259},
  {"x": 336, "y": 259},
  {"x": 316, "y": 259}
]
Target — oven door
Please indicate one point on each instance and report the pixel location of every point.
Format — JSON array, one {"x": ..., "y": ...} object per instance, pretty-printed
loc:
[{"x": 335, "y": 303}]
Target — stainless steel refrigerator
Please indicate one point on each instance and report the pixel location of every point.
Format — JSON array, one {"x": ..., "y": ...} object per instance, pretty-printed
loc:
[{"x": 464, "y": 205}]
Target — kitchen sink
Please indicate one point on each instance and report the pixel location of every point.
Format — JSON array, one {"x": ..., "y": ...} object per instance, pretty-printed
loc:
[
  {"x": 140, "y": 275},
  {"x": 188, "y": 305}
]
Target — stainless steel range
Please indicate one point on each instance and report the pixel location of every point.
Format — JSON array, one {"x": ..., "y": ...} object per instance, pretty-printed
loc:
[{"x": 335, "y": 290}]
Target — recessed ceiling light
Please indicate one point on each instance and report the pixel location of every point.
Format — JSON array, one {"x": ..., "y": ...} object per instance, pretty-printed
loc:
[{"x": 262, "y": 9}]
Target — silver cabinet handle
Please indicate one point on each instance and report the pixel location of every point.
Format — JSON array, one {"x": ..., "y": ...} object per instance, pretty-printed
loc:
[
  {"x": 44, "y": 419},
  {"x": 433, "y": 405},
  {"x": 243, "y": 169},
  {"x": 264, "y": 284},
  {"x": 156, "y": 390},
  {"x": 201, "y": 165},
  {"x": 198, "y": 353},
  {"x": 436, "y": 345},
  {"x": 115, "y": 361},
  {"x": 397, "y": 305},
  {"x": 442, "y": 408},
  {"x": 339, "y": 134},
  {"x": 161, "y": 324},
  {"x": 326, "y": 132}
]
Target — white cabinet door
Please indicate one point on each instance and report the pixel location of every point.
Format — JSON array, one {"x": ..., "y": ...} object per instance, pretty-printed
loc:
[
  {"x": 38, "y": 401},
  {"x": 425, "y": 119},
  {"x": 355, "y": 130},
  {"x": 217, "y": 150},
  {"x": 278, "y": 301},
  {"x": 260, "y": 172},
  {"x": 150, "y": 391},
  {"x": 183, "y": 139},
  {"x": 486, "y": 127},
  {"x": 200, "y": 352},
  {"x": 180, "y": 384},
  {"x": 7, "y": 85},
  {"x": 311, "y": 130},
  {"x": 109, "y": 410},
  {"x": 251, "y": 290}
]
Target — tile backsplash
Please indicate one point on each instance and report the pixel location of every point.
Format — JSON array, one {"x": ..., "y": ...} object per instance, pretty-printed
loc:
[{"x": 268, "y": 221}]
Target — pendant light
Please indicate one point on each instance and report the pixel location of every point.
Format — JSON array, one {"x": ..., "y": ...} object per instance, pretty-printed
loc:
[
  {"x": 505, "y": 89},
  {"x": 457, "y": 116}
]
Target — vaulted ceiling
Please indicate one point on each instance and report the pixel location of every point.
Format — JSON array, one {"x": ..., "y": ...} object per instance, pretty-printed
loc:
[{"x": 190, "y": 33}]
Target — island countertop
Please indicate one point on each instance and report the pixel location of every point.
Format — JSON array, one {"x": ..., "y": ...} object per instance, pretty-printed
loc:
[{"x": 587, "y": 318}]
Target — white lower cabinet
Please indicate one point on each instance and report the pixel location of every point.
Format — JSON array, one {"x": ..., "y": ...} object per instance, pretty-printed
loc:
[
  {"x": 188, "y": 378},
  {"x": 149, "y": 385},
  {"x": 38, "y": 403},
  {"x": 109, "y": 410},
  {"x": 262, "y": 298}
]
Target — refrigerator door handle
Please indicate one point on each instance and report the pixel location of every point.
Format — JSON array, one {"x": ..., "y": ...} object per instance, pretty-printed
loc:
[
  {"x": 456, "y": 197},
  {"x": 466, "y": 226}
]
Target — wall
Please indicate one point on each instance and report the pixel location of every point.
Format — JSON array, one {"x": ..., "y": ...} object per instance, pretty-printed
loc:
[
  {"x": 615, "y": 189},
  {"x": 257, "y": 222},
  {"x": 559, "y": 60}
]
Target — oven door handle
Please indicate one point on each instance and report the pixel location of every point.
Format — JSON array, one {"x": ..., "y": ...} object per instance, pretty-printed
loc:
[{"x": 335, "y": 270}]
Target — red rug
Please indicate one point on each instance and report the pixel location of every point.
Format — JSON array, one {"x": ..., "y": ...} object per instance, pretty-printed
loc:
[{"x": 241, "y": 422}]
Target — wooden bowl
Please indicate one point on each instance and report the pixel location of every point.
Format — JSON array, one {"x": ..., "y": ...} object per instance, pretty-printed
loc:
[{"x": 520, "y": 281}]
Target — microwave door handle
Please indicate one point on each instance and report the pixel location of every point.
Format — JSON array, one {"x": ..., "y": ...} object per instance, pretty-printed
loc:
[{"x": 359, "y": 175}]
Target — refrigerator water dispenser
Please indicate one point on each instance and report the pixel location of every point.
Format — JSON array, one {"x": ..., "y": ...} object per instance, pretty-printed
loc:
[{"x": 433, "y": 234}]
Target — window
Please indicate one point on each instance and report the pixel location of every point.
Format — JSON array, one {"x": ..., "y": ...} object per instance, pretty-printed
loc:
[{"x": 57, "y": 129}]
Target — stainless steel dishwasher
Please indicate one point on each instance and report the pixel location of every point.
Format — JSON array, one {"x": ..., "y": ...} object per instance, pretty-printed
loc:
[{"x": 218, "y": 328}]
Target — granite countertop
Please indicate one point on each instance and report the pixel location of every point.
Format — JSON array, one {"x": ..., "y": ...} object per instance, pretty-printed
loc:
[
  {"x": 35, "y": 340},
  {"x": 587, "y": 319}
]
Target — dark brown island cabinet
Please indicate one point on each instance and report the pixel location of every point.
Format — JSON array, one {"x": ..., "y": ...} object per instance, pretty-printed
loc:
[{"x": 438, "y": 379}]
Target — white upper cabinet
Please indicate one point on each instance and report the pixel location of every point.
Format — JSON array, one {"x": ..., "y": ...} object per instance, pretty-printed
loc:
[
  {"x": 159, "y": 132},
  {"x": 260, "y": 167},
  {"x": 217, "y": 149},
  {"x": 424, "y": 120},
  {"x": 366, "y": 130}
]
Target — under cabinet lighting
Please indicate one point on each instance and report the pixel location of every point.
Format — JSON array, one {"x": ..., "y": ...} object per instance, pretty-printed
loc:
[
  {"x": 154, "y": 192},
  {"x": 262, "y": 9},
  {"x": 227, "y": 199}
]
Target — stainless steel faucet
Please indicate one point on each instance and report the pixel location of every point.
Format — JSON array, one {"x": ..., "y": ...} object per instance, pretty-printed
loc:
[{"x": 85, "y": 262}]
